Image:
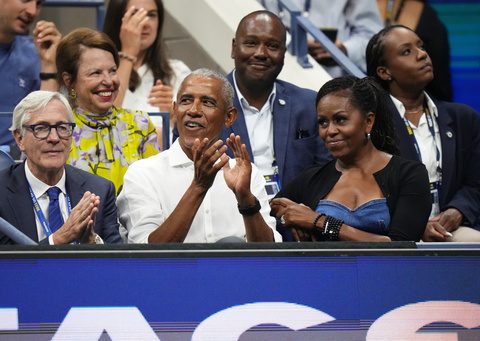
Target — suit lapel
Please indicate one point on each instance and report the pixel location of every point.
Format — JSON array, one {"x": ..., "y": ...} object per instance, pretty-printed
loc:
[
  {"x": 74, "y": 184},
  {"x": 20, "y": 202},
  {"x": 448, "y": 139},
  {"x": 281, "y": 126},
  {"x": 239, "y": 127}
]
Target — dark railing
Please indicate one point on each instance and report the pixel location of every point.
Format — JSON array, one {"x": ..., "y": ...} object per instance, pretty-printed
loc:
[
  {"x": 165, "y": 127},
  {"x": 300, "y": 26}
]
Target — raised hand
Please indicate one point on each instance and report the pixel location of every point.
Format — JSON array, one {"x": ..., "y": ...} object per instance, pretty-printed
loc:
[
  {"x": 161, "y": 96},
  {"x": 131, "y": 30},
  {"x": 238, "y": 178},
  {"x": 208, "y": 159},
  {"x": 46, "y": 38}
]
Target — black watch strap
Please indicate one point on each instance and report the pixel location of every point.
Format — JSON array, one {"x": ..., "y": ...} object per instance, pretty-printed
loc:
[
  {"x": 250, "y": 210},
  {"x": 47, "y": 75}
]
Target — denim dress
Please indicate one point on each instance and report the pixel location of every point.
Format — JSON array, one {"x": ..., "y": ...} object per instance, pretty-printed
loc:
[{"x": 372, "y": 216}]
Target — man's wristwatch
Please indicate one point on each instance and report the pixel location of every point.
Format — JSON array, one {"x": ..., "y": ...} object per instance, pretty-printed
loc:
[
  {"x": 250, "y": 210},
  {"x": 98, "y": 239}
]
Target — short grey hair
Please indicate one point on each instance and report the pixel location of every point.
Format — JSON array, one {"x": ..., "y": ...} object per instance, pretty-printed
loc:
[
  {"x": 227, "y": 89},
  {"x": 33, "y": 102}
]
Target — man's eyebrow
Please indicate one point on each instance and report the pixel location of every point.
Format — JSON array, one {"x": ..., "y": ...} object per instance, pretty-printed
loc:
[
  {"x": 209, "y": 98},
  {"x": 48, "y": 123}
]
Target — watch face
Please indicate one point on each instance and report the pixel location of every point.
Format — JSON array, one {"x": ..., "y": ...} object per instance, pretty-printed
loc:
[{"x": 98, "y": 239}]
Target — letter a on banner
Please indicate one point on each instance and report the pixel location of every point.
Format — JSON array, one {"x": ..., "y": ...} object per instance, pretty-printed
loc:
[{"x": 88, "y": 324}]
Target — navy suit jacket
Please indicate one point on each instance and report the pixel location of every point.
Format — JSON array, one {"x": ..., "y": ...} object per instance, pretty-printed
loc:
[
  {"x": 16, "y": 204},
  {"x": 459, "y": 127},
  {"x": 297, "y": 145}
]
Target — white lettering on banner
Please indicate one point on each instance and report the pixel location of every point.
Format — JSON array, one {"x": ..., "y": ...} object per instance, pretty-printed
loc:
[
  {"x": 8, "y": 319},
  {"x": 229, "y": 324},
  {"x": 128, "y": 323},
  {"x": 88, "y": 324},
  {"x": 403, "y": 322}
]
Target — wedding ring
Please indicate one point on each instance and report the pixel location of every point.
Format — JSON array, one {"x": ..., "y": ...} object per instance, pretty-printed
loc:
[{"x": 282, "y": 220}]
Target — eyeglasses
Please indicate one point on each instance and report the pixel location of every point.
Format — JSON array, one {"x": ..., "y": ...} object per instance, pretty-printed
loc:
[{"x": 42, "y": 131}]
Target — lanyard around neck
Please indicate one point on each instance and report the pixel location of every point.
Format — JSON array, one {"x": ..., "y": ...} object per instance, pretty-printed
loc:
[
  {"x": 431, "y": 128},
  {"x": 41, "y": 216}
]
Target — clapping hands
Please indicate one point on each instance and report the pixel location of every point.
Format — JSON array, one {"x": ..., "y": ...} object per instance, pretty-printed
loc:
[
  {"x": 209, "y": 158},
  {"x": 80, "y": 223}
]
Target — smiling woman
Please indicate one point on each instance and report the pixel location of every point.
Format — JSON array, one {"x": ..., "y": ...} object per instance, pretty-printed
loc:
[
  {"x": 106, "y": 139},
  {"x": 366, "y": 194}
]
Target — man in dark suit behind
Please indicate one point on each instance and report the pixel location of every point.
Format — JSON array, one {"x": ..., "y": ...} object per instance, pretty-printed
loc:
[
  {"x": 42, "y": 127},
  {"x": 276, "y": 120}
]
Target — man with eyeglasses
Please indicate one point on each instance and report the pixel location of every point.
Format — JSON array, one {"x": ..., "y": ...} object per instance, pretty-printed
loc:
[{"x": 46, "y": 199}]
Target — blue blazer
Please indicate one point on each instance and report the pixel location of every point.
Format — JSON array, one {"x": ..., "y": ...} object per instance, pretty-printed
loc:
[
  {"x": 297, "y": 144},
  {"x": 459, "y": 127},
  {"x": 16, "y": 205}
]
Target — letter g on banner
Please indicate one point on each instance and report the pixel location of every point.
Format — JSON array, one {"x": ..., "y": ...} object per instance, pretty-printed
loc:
[{"x": 229, "y": 324}]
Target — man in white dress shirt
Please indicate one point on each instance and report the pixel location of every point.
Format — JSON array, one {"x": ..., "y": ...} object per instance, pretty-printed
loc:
[{"x": 194, "y": 192}]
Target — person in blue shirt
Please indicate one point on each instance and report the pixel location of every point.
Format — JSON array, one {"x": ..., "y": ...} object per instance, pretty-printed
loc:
[{"x": 26, "y": 63}]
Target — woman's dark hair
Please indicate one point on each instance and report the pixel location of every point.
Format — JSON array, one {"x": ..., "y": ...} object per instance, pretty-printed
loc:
[
  {"x": 156, "y": 57},
  {"x": 375, "y": 53},
  {"x": 74, "y": 44},
  {"x": 366, "y": 95}
]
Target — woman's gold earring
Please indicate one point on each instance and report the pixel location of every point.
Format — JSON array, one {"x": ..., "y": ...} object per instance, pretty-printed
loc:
[
  {"x": 72, "y": 94},
  {"x": 368, "y": 137}
]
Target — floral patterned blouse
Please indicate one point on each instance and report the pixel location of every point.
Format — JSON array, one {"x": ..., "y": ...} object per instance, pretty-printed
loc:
[{"x": 107, "y": 144}]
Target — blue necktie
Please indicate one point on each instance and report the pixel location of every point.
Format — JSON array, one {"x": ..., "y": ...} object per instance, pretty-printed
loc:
[{"x": 55, "y": 219}]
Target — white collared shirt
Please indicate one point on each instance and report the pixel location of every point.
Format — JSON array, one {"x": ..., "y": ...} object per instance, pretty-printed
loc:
[
  {"x": 260, "y": 130},
  {"x": 425, "y": 140},
  {"x": 154, "y": 186},
  {"x": 39, "y": 189}
]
